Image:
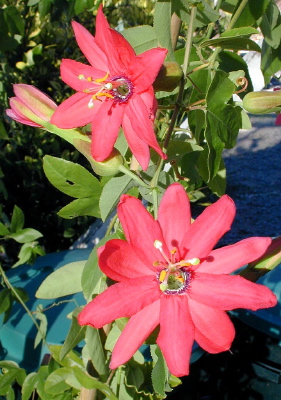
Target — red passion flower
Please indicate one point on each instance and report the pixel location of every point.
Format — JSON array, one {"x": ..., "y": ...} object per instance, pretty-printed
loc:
[
  {"x": 114, "y": 90},
  {"x": 169, "y": 276}
]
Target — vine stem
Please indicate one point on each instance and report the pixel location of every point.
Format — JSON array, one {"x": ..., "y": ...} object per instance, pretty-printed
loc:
[
  {"x": 189, "y": 38},
  {"x": 132, "y": 175},
  {"x": 8, "y": 284}
]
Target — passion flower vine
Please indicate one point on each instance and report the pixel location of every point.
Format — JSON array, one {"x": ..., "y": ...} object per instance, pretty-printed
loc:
[
  {"x": 169, "y": 276},
  {"x": 114, "y": 91}
]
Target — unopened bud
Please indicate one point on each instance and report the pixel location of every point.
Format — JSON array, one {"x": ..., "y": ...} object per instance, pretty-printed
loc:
[
  {"x": 108, "y": 167},
  {"x": 30, "y": 106},
  {"x": 262, "y": 102},
  {"x": 168, "y": 77}
]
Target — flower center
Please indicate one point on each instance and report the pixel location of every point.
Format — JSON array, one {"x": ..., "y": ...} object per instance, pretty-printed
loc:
[
  {"x": 118, "y": 88},
  {"x": 122, "y": 88},
  {"x": 175, "y": 276}
]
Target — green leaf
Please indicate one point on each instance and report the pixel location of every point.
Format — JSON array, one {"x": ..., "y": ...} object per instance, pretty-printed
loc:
[
  {"x": 243, "y": 31},
  {"x": 55, "y": 382},
  {"x": 3, "y": 132},
  {"x": 22, "y": 293},
  {"x": 271, "y": 25},
  {"x": 162, "y": 26},
  {"x": 112, "y": 337},
  {"x": 71, "y": 359},
  {"x": 205, "y": 14},
  {"x": 14, "y": 20},
  {"x": 25, "y": 235},
  {"x": 70, "y": 178},
  {"x": 141, "y": 38},
  {"x": 159, "y": 372},
  {"x": 251, "y": 12},
  {"x": 29, "y": 386},
  {"x": 220, "y": 91},
  {"x": 218, "y": 183},
  {"x": 270, "y": 61},
  {"x": 62, "y": 282},
  {"x": 5, "y": 300},
  {"x": 17, "y": 221},
  {"x": 74, "y": 336},
  {"x": 4, "y": 231},
  {"x": 232, "y": 43},
  {"x": 79, "y": 207},
  {"x": 93, "y": 280},
  {"x": 44, "y": 8},
  {"x": 95, "y": 350},
  {"x": 41, "y": 334},
  {"x": 111, "y": 194}
]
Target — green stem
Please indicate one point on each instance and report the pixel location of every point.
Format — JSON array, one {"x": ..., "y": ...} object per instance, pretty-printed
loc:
[
  {"x": 237, "y": 14},
  {"x": 111, "y": 224},
  {"x": 212, "y": 24},
  {"x": 9, "y": 286},
  {"x": 189, "y": 36},
  {"x": 131, "y": 174}
]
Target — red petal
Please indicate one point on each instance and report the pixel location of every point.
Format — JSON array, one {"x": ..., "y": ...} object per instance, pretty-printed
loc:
[
  {"x": 136, "y": 111},
  {"x": 70, "y": 71},
  {"x": 208, "y": 228},
  {"x": 176, "y": 334},
  {"x": 134, "y": 334},
  {"x": 119, "y": 262},
  {"x": 74, "y": 112},
  {"x": 229, "y": 292},
  {"x": 105, "y": 129},
  {"x": 174, "y": 215},
  {"x": 89, "y": 48},
  {"x": 214, "y": 331},
  {"x": 141, "y": 229},
  {"x": 143, "y": 71},
  {"x": 104, "y": 39},
  {"x": 126, "y": 52},
  {"x": 229, "y": 258},
  {"x": 123, "y": 299},
  {"x": 138, "y": 147}
]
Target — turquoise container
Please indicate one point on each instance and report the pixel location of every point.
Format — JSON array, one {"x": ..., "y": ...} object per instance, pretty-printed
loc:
[{"x": 18, "y": 334}]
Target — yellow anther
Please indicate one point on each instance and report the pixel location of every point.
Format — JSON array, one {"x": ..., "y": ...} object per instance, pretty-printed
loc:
[
  {"x": 162, "y": 275},
  {"x": 89, "y": 79},
  {"x": 104, "y": 94},
  {"x": 98, "y": 80},
  {"x": 173, "y": 251},
  {"x": 156, "y": 263}
]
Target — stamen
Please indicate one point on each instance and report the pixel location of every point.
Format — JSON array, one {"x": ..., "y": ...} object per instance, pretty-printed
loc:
[
  {"x": 91, "y": 103},
  {"x": 104, "y": 94},
  {"x": 98, "y": 80},
  {"x": 159, "y": 246},
  {"x": 81, "y": 77}
]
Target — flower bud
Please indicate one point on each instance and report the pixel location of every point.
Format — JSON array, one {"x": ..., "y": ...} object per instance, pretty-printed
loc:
[
  {"x": 262, "y": 102},
  {"x": 168, "y": 77},
  {"x": 30, "y": 106},
  {"x": 108, "y": 167}
]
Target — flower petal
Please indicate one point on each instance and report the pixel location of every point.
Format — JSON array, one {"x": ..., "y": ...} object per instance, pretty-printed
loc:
[
  {"x": 174, "y": 215},
  {"x": 134, "y": 334},
  {"x": 229, "y": 258},
  {"x": 104, "y": 39},
  {"x": 137, "y": 146},
  {"x": 143, "y": 71},
  {"x": 125, "y": 50},
  {"x": 119, "y": 262},
  {"x": 71, "y": 70},
  {"x": 105, "y": 129},
  {"x": 227, "y": 292},
  {"x": 141, "y": 124},
  {"x": 141, "y": 229},
  {"x": 208, "y": 228},
  {"x": 74, "y": 111},
  {"x": 89, "y": 48},
  {"x": 122, "y": 299},
  {"x": 176, "y": 334},
  {"x": 214, "y": 331}
]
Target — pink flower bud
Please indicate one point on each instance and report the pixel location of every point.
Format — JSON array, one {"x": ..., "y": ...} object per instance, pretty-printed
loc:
[{"x": 30, "y": 106}]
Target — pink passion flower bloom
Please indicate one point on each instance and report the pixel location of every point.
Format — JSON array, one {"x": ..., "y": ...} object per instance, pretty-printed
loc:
[
  {"x": 169, "y": 276},
  {"x": 115, "y": 90}
]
